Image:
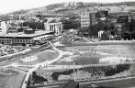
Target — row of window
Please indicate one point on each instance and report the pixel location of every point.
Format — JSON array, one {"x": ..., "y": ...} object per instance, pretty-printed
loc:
[
  {"x": 55, "y": 29},
  {"x": 11, "y": 41}
]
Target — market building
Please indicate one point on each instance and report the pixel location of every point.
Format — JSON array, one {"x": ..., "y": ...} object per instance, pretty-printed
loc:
[
  {"x": 23, "y": 38},
  {"x": 29, "y": 35}
]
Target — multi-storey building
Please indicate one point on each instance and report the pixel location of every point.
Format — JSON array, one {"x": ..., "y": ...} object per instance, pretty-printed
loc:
[{"x": 87, "y": 19}]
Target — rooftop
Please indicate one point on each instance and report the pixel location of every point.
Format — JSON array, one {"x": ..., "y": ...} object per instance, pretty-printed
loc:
[{"x": 21, "y": 34}]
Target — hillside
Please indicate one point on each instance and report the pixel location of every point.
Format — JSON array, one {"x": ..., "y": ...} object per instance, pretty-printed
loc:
[{"x": 72, "y": 7}]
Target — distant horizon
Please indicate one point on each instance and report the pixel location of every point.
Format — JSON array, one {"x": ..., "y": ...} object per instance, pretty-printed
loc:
[{"x": 16, "y": 5}]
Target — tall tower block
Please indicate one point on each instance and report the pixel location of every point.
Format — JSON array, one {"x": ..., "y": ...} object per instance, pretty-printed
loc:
[{"x": 3, "y": 27}]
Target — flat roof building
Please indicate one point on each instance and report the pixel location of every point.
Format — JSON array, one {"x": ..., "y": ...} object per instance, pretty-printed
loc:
[
  {"x": 23, "y": 39},
  {"x": 22, "y": 34}
]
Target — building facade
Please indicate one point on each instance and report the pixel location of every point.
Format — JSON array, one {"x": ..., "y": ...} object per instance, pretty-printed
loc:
[
  {"x": 24, "y": 39},
  {"x": 3, "y": 27},
  {"x": 87, "y": 19},
  {"x": 54, "y": 27}
]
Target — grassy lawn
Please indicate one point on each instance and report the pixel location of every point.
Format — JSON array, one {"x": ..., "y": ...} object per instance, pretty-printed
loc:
[
  {"x": 18, "y": 57},
  {"x": 79, "y": 60},
  {"x": 92, "y": 54},
  {"x": 122, "y": 50},
  {"x": 84, "y": 60},
  {"x": 41, "y": 57}
]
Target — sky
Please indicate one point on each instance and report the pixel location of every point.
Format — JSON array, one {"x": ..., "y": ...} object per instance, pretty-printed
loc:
[{"x": 7, "y": 6}]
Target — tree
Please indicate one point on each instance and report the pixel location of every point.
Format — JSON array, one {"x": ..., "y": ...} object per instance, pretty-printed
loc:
[
  {"x": 73, "y": 21},
  {"x": 80, "y": 5},
  {"x": 70, "y": 23}
]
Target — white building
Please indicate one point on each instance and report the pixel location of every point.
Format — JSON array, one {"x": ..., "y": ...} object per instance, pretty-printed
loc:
[
  {"x": 3, "y": 27},
  {"x": 54, "y": 27}
]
